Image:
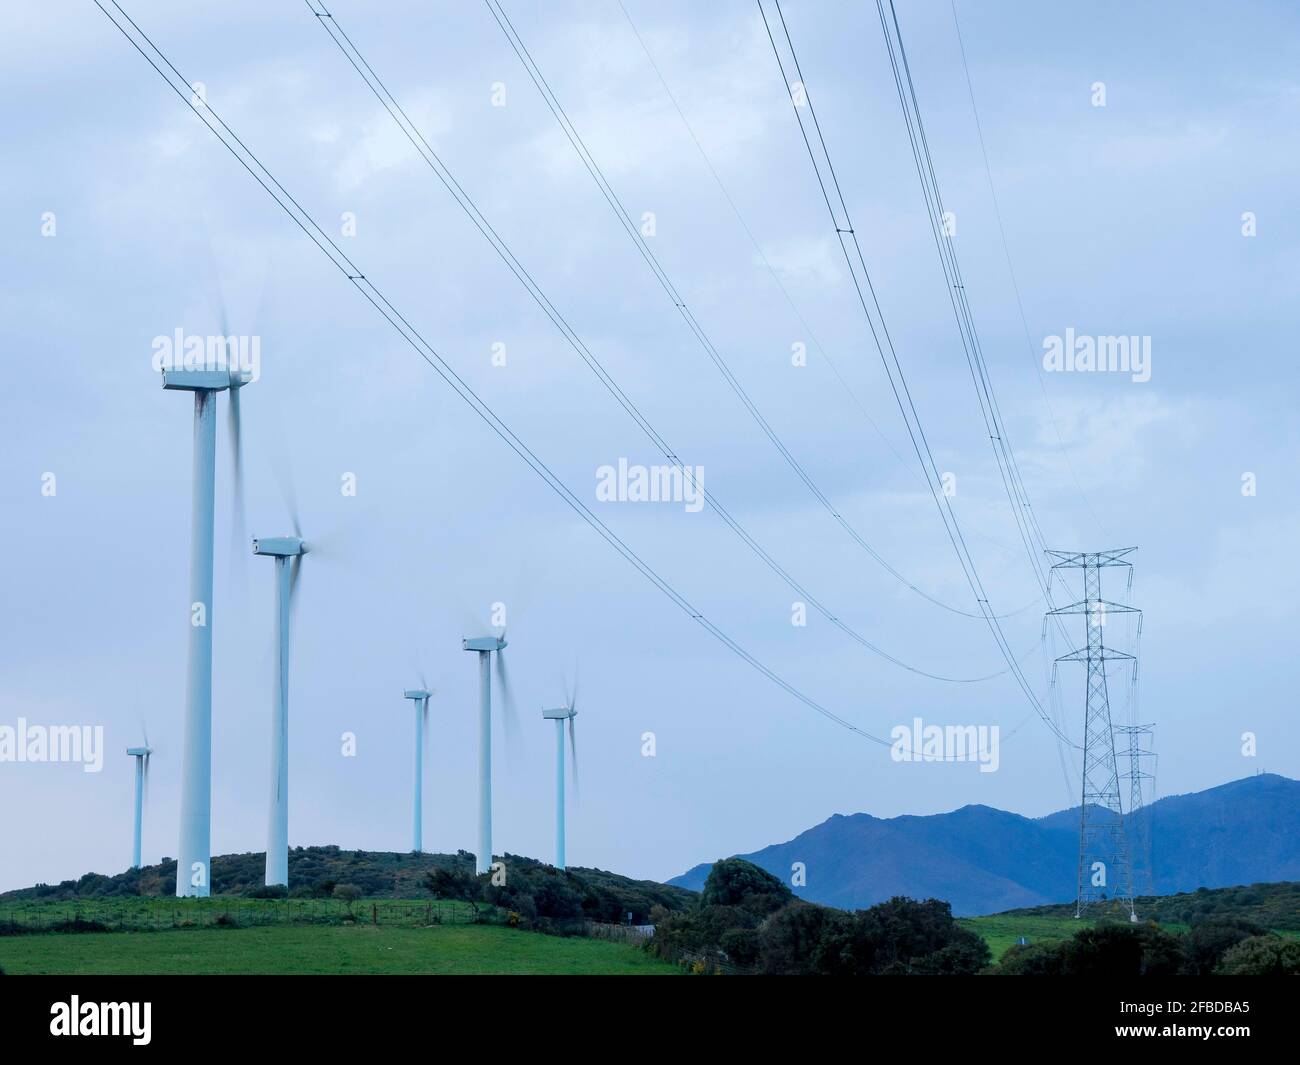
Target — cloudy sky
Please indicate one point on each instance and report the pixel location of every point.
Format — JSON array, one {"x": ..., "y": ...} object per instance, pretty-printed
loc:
[{"x": 125, "y": 219}]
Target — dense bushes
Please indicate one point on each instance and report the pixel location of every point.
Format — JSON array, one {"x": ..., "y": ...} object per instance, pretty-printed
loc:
[
  {"x": 538, "y": 892},
  {"x": 1104, "y": 950},
  {"x": 746, "y": 917},
  {"x": 1266, "y": 955},
  {"x": 1221, "y": 945},
  {"x": 553, "y": 899}
]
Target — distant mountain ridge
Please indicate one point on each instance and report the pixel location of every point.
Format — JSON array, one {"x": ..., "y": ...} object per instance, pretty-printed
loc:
[{"x": 984, "y": 860}]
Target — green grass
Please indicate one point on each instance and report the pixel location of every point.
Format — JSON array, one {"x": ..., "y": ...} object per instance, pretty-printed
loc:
[
  {"x": 148, "y": 914},
  {"x": 1002, "y": 930},
  {"x": 445, "y": 949}
]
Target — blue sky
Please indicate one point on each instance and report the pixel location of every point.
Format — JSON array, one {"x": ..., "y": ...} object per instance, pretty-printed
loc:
[{"x": 1122, "y": 219}]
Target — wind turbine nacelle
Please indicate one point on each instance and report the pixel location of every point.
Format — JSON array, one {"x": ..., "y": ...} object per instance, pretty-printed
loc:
[
  {"x": 417, "y": 694},
  {"x": 562, "y": 714},
  {"x": 205, "y": 380},
  {"x": 139, "y": 752},
  {"x": 279, "y": 546},
  {"x": 483, "y": 643}
]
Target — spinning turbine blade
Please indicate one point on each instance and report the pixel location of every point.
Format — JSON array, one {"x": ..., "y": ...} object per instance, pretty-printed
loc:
[
  {"x": 573, "y": 754},
  {"x": 233, "y": 428},
  {"x": 507, "y": 695},
  {"x": 295, "y": 568},
  {"x": 236, "y": 461}
]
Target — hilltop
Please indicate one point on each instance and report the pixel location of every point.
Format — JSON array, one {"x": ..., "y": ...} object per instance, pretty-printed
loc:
[
  {"x": 314, "y": 872},
  {"x": 984, "y": 860}
]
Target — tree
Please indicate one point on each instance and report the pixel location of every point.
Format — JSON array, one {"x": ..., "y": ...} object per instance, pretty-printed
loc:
[
  {"x": 741, "y": 945},
  {"x": 1266, "y": 955},
  {"x": 348, "y": 894},
  {"x": 736, "y": 882},
  {"x": 1205, "y": 945},
  {"x": 1032, "y": 959},
  {"x": 451, "y": 884},
  {"x": 789, "y": 939},
  {"x": 1121, "y": 950}
]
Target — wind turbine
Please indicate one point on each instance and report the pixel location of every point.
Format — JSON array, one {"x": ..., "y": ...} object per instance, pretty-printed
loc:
[
  {"x": 485, "y": 645},
  {"x": 560, "y": 715},
  {"x": 287, "y": 552},
  {"x": 194, "y": 858},
  {"x": 141, "y": 756},
  {"x": 420, "y": 696}
]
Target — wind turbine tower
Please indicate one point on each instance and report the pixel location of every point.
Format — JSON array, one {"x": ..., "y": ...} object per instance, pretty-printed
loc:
[
  {"x": 194, "y": 858},
  {"x": 420, "y": 697},
  {"x": 287, "y": 552},
  {"x": 560, "y": 716},
  {"x": 141, "y": 756},
  {"x": 485, "y": 645}
]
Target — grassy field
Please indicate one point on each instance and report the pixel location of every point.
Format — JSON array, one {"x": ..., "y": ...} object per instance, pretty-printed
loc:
[
  {"x": 1002, "y": 930},
  {"x": 148, "y": 914},
  {"x": 446, "y": 949}
]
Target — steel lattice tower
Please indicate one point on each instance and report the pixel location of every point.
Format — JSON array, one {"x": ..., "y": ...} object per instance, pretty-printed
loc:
[
  {"x": 1105, "y": 869},
  {"x": 1141, "y": 794}
]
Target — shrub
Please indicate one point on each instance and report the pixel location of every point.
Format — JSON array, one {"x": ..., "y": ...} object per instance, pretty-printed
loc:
[
  {"x": 736, "y": 882},
  {"x": 1205, "y": 945},
  {"x": 741, "y": 945},
  {"x": 348, "y": 894},
  {"x": 1266, "y": 955}
]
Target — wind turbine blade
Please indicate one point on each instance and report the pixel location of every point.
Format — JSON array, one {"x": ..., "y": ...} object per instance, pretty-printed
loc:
[
  {"x": 573, "y": 754},
  {"x": 295, "y": 574},
  {"x": 235, "y": 432},
  {"x": 424, "y": 728},
  {"x": 507, "y": 697},
  {"x": 144, "y": 782}
]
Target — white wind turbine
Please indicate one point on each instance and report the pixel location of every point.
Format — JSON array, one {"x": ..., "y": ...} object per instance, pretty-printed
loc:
[
  {"x": 288, "y": 552},
  {"x": 485, "y": 646},
  {"x": 141, "y": 756},
  {"x": 420, "y": 697},
  {"x": 194, "y": 857},
  {"x": 560, "y": 715}
]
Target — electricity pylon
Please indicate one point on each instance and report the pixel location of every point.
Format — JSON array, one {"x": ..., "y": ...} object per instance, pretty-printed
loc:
[
  {"x": 1105, "y": 869},
  {"x": 1142, "y": 793}
]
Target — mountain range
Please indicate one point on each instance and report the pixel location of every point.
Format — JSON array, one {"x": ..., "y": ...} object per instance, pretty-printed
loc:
[{"x": 984, "y": 860}]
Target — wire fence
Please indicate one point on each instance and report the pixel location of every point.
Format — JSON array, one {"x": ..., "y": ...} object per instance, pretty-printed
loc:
[{"x": 156, "y": 915}]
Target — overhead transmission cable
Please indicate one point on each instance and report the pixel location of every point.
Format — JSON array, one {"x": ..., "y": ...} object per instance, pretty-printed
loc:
[
  {"x": 827, "y": 179},
  {"x": 981, "y": 377},
  {"x": 367, "y": 288},
  {"x": 670, "y": 289},
  {"x": 412, "y": 132},
  {"x": 1011, "y": 271},
  {"x": 1017, "y": 495}
]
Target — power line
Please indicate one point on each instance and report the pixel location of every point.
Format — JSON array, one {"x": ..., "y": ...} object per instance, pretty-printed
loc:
[
  {"x": 381, "y": 92},
  {"x": 885, "y": 347},
  {"x": 1026, "y": 522},
  {"x": 1013, "y": 481},
  {"x": 1011, "y": 271},
  {"x": 421, "y": 346},
  {"x": 670, "y": 289}
]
